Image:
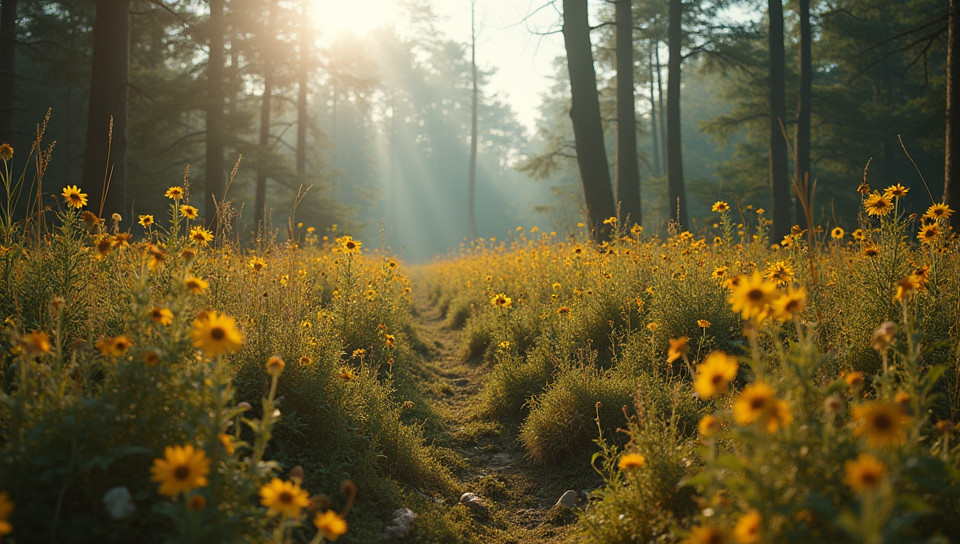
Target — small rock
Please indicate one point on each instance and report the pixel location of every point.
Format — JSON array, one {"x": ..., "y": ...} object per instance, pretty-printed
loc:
[
  {"x": 119, "y": 503},
  {"x": 401, "y": 524},
  {"x": 567, "y": 500},
  {"x": 461, "y": 382},
  {"x": 473, "y": 502}
]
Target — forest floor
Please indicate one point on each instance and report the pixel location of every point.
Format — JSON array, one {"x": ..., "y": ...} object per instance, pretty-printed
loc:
[{"x": 518, "y": 496}]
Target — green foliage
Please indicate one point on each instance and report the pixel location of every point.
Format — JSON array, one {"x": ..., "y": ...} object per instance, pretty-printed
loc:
[
  {"x": 101, "y": 373},
  {"x": 773, "y": 444},
  {"x": 560, "y": 424}
]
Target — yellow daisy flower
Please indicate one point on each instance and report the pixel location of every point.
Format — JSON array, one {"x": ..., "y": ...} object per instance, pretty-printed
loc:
[
  {"x": 709, "y": 425},
  {"x": 36, "y": 343},
  {"x": 865, "y": 473},
  {"x": 188, "y": 211},
  {"x": 501, "y": 300},
  {"x": 348, "y": 245},
  {"x": 632, "y": 460},
  {"x": 196, "y": 285},
  {"x": 708, "y": 534},
  {"x": 330, "y": 525},
  {"x": 679, "y": 347},
  {"x": 284, "y": 498},
  {"x": 758, "y": 404},
  {"x": 216, "y": 334},
  {"x": 73, "y": 197},
  {"x": 181, "y": 469},
  {"x": 175, "y": 193},
  {"x": 752, "y": 296},
  {"x": 928, "y": 233},
  {"x": 748, "y": 527},
  {"x": 200, "y": 235},
  {"x": 155, "y": 257},
  {"x": 883, "y": 424},
  {"x": 877, "y": 204},
  {"x": 6, "y": 507},
  {"x": 789, "y": 304},
  {"x": 162, "y": 316},
  {"x": 938, "y": 211},
  {"x": 114, "y": 346},
  {"x": 779, "y": 272},
  {"x": 257, "y": 264},
  {"x": 720, "y": 207},
  {"x": 715, "y": 374},
  {"x": 895, "y": 191}
]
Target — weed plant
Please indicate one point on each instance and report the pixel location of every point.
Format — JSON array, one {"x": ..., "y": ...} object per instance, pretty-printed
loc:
[
  {"x": 162, "y": 383},
  {"x": 789, "y": 392}
]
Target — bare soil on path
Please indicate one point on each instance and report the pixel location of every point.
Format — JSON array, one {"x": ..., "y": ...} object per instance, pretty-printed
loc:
[{"x": 518, "y": 496}]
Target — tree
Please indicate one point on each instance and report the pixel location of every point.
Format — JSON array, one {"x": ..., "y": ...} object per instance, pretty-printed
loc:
[
  {"x": 105, "y": 158},
  {"x": 951, "y": 174},
  {"x": 585, "y": 114},
  {"x": 474, "y": 98},
  {"x": 654, "y": 116},
  {"x": 303, "y": 71},
  {"x": 779, "y": 181},
  {"x": 628, "y": 172},
  {"x": 8, "y": 68},
  {"x": 802, "y": 177},
  {"x": 214, "y": 178},
  {"x": 260, "y": 198},
  {"x": 677, "y": 204},
  {"x": 661, "y": 108}
]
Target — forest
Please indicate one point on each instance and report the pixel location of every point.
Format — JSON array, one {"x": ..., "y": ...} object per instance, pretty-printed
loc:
[{"x": 303, "y": 271}]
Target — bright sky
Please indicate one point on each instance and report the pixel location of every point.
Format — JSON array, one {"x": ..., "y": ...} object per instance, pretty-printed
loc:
[{"x": 507, "y": 39}]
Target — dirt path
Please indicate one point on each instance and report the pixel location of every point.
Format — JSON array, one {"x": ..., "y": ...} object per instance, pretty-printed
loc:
[{"x": 519, "y": 497}]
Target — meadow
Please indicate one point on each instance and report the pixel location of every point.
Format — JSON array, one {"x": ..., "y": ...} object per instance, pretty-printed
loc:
[{"x": 164, "y": 381}]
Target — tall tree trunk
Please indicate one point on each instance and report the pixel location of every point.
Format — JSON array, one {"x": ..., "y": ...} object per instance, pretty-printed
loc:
[
  {"x": 214, "y": 176},
  {"x": 803, "y": 179},
  {"x": 779, "y": 180},
  {"x": 302, "y": 76},
  {"x": 585, "y": 114},
  {"x": 472, "y": 181},
  {"x": 394, "y": 179},
  {"x": 677, "y": 204},
  {"x": 105, "y": 158},
  {"x": 628, "y": 172},
  {"x": 654, "y": 131},
  {"x": 951, "y": 174},
  {"x": 661, "y": 104},
  {"x": 8, "y": 68},
  {"x": 260, "y": 198}
]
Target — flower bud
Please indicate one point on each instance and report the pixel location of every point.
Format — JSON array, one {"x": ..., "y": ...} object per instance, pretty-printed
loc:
[{"x": 884, "y": 335}]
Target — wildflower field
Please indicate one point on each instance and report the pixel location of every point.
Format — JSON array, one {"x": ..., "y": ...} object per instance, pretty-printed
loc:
[{"x": 164, "y": 382}]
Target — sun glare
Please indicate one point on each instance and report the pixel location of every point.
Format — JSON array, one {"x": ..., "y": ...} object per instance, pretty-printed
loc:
[{"x": 356, "y": 17}]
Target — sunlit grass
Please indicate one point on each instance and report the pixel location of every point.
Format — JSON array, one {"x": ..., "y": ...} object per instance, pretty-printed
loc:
[{"x": 161, "y": 382}]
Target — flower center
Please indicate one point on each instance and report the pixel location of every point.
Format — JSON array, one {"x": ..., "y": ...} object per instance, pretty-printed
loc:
[
  {"x": 217, "y": 333},
  {"x": 285, "y": 497},
  {"x": 882, "y": 422},
  {"x": 755, "y": 294},
  {"x": 182, "y": 472}
]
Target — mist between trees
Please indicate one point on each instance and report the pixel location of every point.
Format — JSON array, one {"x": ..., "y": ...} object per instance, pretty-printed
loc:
[{"x": 379, "y": 126}]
